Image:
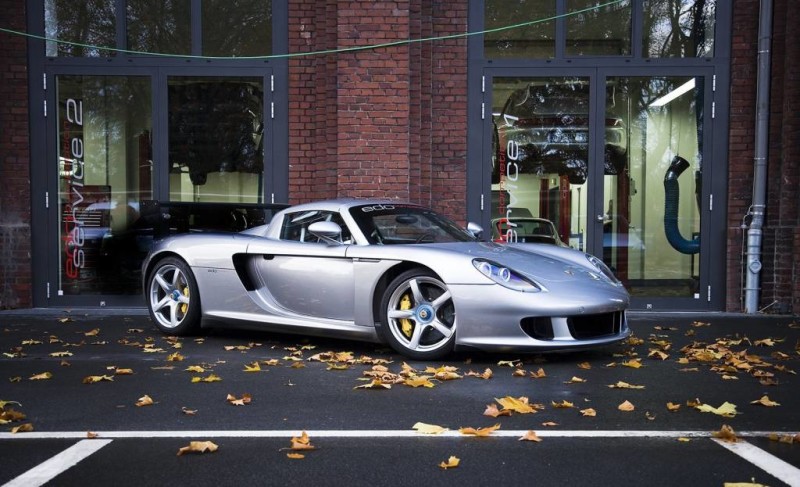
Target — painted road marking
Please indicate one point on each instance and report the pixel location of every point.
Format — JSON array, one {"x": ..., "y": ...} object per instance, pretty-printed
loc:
[
  {"x": 765, "y": 461},
  {"x": 371, "y": 434},
  {"x": 46, "y": 471}
]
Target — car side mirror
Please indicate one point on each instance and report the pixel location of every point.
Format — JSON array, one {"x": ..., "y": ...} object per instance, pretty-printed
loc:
[
  {"x": 475, "y": 230},
  {"x": 329, "y": 232}
]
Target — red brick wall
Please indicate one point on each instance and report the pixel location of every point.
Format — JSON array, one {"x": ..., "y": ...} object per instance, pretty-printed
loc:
[
  {"x": 387, "y": 122},
  {"x": 779, "y": 276},
  {"x": 15, "y": 195}
]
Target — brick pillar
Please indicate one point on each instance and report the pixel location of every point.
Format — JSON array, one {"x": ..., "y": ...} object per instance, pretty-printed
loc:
[{"x": 15, "y": 195}]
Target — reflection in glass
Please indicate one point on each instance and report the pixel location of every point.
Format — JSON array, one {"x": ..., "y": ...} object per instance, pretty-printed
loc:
[
  {"x": 90, "y": 23},
  {"x": 216, "y": 148},
  {"x": 161, "y": 26},
  {"x": 679, "y": 28},
  {"x": 599, "y": 31},
  {"x": 652, "y": 210},
  {"x": 104, "y": 177},
  {"x": 540, "y": 157},
  {"x": 237, "y": 27},
  {"x": 536, "y": 40}
]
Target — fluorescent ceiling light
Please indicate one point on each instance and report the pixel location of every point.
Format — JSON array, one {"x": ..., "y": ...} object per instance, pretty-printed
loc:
[{"x": 689, "y": 85}]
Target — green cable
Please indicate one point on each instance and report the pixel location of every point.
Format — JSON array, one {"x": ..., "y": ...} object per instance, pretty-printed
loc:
[{"x": 316, "y": 53}]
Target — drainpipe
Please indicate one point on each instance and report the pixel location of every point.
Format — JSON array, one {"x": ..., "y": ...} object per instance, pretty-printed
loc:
[{"x": 754, "y": 232}]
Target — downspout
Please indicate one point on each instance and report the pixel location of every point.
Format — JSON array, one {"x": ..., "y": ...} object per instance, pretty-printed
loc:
[{"x": 757, "y": 210}]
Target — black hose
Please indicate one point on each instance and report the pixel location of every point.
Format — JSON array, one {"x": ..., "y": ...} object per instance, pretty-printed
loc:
[{"x": 671, "y": 201}]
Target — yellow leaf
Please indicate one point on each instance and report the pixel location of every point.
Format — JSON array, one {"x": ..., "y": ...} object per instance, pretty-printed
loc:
[
  {"x": 509, "y": 363},
  {"x": 301, "y": 442},
  {"x": 633, "y": 363},
  {"x": 683, "y": 439},
  {"x": 726, "y": 433},
  {"x": 539, "y": 374},
  {"x": 519, "y": 405},
  {"x": 658, "y": 354},
  {"x": 97, "y": 378},
  {"x": 765, "y": 401},
  {"x": 295, "y": 456},
  {"x": 575, "y": 380},
  {"x": 487, "y": 374},
  {"x": 491, "y": 410},
  {"x": 624, "y": 385},
  {"x": 210, "y": 378},
  {"x": 479, "y": 431},
  {"x": 144, "y": 401},
  {"x": 195, "y": 368},
  {"x": 374, "y": 384},
  {"x": 23, "y": 428},
  {"x": 519, "y": 373},
  {"x": 271, "y": 362},
  {"x": 91, "y": 435},
  {"x": 198, "y": 447},
  {"x": 42, "y": 376},
  {"x": 727, "y": 409},
  {"x": 428, "y": 429},
  {"x": 420, "y": 381},
  {"x": 123, "y": 371},
  {"x": 530, "y": 436},
  {"x": 92, "y": 333},
  {"x": 626, "y": 406},
  {"x": 61, "y": 354},
  {"x": 254, "y": 367},
  {"x": 549, "y": 423},
  {"x": 562, "y": 405},
  {"x": 589, "y": 412},
  {"x": 452, "y": 462},
  {"x": 3, "y": 404},
  {"x": 585, "y": 365},
  {"x": 174, "y": 357},
  {"x": 673, "y": 407},
  {"x": 338, "y": 366},
  {"x": 241, "y": 401}
]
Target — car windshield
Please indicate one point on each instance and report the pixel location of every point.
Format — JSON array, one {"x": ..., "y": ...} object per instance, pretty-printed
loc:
[{"x": 387, "y": 224}]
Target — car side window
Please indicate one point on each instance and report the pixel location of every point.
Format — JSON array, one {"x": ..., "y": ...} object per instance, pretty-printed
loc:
[{"x": 295, "y": 226}]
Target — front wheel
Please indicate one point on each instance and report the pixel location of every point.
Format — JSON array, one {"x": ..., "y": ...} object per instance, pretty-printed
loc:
[
  {"x": 418, "y": 316},
  {"x": 173, "y": 299}
]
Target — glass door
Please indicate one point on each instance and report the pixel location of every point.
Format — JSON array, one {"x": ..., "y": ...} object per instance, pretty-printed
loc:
[
  {"x": 540, "y": 159},
  {"x": 652, "y": 207},
  {"x": 611, "y": 165}
]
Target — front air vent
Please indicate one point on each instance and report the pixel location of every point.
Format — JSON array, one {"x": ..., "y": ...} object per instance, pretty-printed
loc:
[
  {"x": 538, "y": 327},
  {"x": 595, "y": 326}
]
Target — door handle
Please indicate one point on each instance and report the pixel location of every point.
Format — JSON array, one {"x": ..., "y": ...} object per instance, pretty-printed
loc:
[{"x": 600, "y": 218}]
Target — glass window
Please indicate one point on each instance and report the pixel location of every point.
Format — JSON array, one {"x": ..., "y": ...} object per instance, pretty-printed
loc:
[
  {"x": 87, "y": 23},
  {"x": 237, "y": 28},
  {"x": 651, "y": 211},
  {"x": 216, "y": 129},
  {"x": 162, "y": 26},
  {"x": 385, "y": 224},
  {"x": 679, "y": 28},
  {"x": 104, "y": 182},
  {"x": 508, "y": 39},
  {"x": 603, "y": 31}
]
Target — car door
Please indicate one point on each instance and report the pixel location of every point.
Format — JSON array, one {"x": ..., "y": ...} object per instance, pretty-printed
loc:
[{"x": 304, "y": 276}]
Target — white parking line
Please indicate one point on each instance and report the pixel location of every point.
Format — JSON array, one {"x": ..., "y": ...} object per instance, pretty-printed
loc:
[
  {"x": 409, "y": 433},
  {"x": 766, "y": 462},
  {"x": 46, "y": 471}
]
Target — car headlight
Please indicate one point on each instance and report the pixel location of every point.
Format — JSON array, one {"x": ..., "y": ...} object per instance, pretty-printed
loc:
[
  {"x": 602, "y": 267},
  {"x": 505, "y": 276}
]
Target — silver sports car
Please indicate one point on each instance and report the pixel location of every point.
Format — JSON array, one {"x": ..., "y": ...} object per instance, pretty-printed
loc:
[{"x": 389, "y": 272}]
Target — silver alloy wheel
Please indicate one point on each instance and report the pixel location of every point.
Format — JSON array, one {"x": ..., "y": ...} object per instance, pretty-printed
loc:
[
  {"x": 429, "y": 316},
  {"x": 169, "y": 296}
]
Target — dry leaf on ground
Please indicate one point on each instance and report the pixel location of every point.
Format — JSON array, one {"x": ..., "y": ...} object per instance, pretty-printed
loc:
[{"x": 198, "y": 447}]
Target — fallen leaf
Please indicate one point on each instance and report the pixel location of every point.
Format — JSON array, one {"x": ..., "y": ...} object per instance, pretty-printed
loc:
[
  {"x": 92, "y": 333},
  {"x": 374, "y": 384},
  {"x": 765, "y": 401},
  {"x": 42, "y": 376},
  {"x": 509, "y": 363},
  {"x": 4, "y": 403},
  {"x": 519, "y": 405},
  {"x": 428, "y": 429},
  {"x": 97, "y": 378},
  {"x": 295, "y": 456},
  {"x": 195, "y": 368},
  {"x": 188, "y": 412},
  {"x": 301, "y": 443},
  {"x": 241, "y": 401},
  {"x": 727, "y": 409},
  {"x": 23, "y": 428},
  {"x": 633, "y": 363},
  {"x": 673, "y": 407},
  {"x": 61, "y": 354},
  {"x": 198, "y": 447},
  {"x": 144, "y": 401},
  {"x": 210, "y": 378},
  {"x": 493, "y": 411},
  {"x": 726, "y": 433},
  {"x": 419, "y": 381},
  {"x": 624, "y": 385},
  {"x": 479, "y": 431},
  {"x": 486, "y": 374},
  {"x": 91, "y": 435},
  {"x": 549, "y": 423},
  {"x": 452, "y": 462},
  {"x": 175, "y": 357},
  {"x": 585, "y": 365},
  {"x": 589, "y": 412},
  {"x": 562, "y": 404},
  {"x": 575, "y": 380},
  {"x": 530, "y": 436},
  {"x": 539, "y": 374},
  {"x": 626, "y": 406}
]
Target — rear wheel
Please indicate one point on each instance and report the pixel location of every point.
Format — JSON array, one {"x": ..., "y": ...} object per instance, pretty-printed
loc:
[
  {"x": 173, "y": 299},
  {"x": 418, "y": 315}
]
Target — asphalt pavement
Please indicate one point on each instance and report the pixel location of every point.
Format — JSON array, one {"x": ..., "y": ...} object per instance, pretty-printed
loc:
[{"x": 106, "y": 399}]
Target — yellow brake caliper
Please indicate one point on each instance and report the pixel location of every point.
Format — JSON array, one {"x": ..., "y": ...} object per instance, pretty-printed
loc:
[
  {"x": 185, "y": 306},
  {"x": 405, "y": 324}
]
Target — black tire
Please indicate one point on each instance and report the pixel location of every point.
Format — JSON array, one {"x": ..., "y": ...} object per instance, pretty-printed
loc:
[
  {"x": 173, "y": 299},
  {"x": 418, "y": 316}
]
